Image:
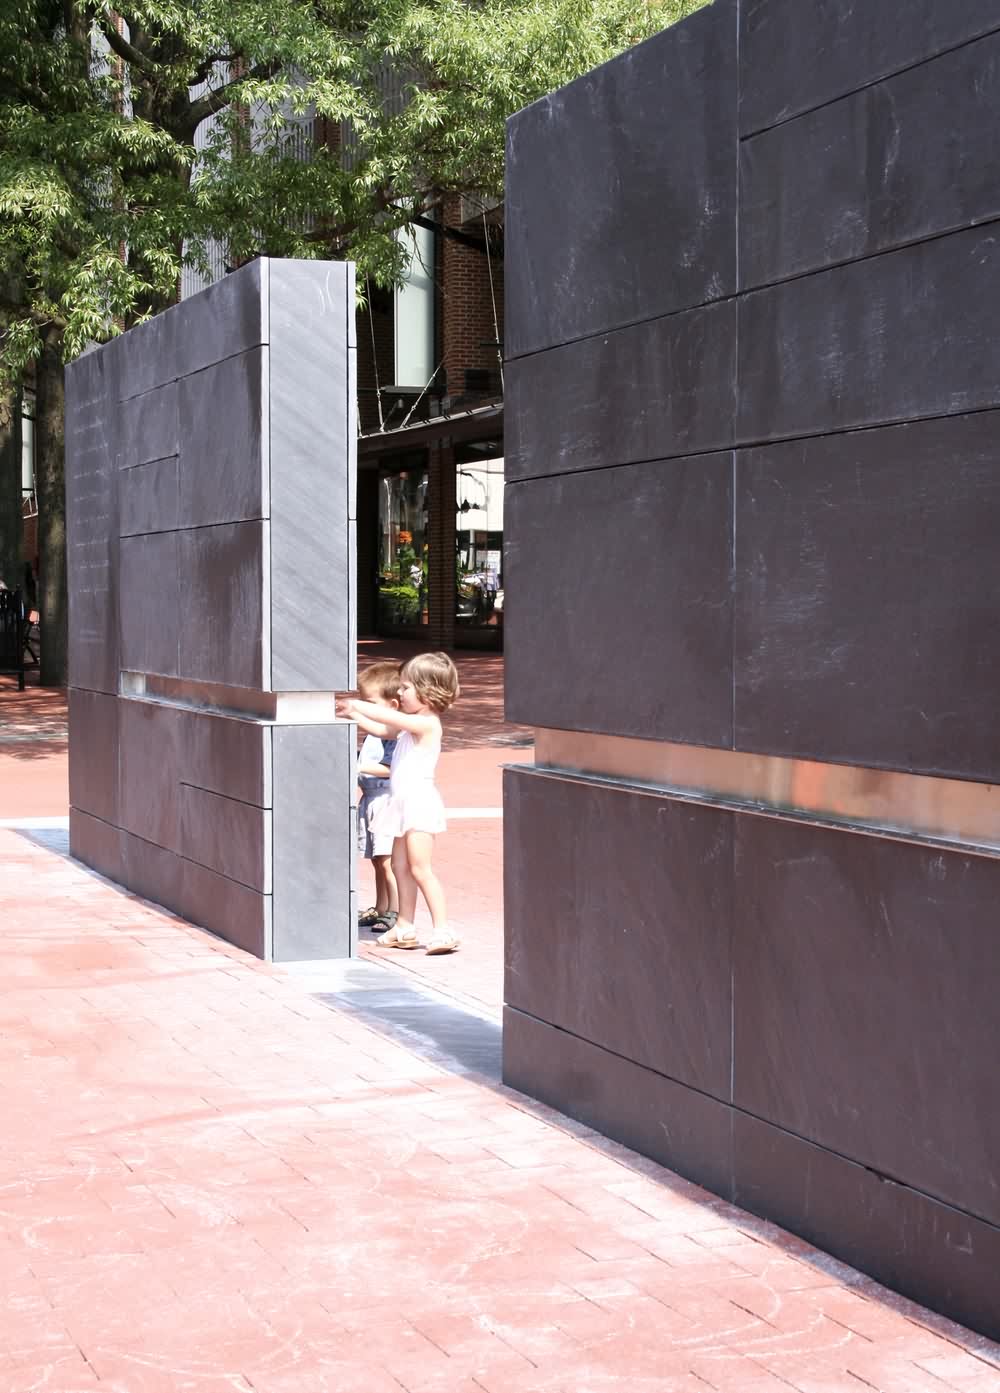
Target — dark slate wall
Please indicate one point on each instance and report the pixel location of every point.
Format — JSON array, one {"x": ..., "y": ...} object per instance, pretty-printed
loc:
[
  {"x": 800, "y": 1018},
  {"x": 753, "y": 406},
  {"x": 597, "y": 159},
  {"x": 736, "y": 268},
  {"x": 210, "y": 468}
]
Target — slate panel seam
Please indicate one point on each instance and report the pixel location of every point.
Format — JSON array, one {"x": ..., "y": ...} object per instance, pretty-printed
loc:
[
  {"x": 737, "y": 223},
  {"x": 886, "y": 1177},
  {"x": 890, "y": 423},
  {"x": 759, "y": 442},
  {"x": 660, "y": 458},
  {"x": 230, "y": 798},
  {"x": 737, "y": 211},
  {"x": 202, "y": 865},
  {"x": 733, "y": 596},
  {"x": 96, "y": 691},
  {"x": 757, "y": 289},
  {"x": 196, "y": 526},
  {"x": 96, "y": 817},
  {"x": 875, "y": 82},
  {"x": 569, "y": 474},
  {"x": 743, "y": 292},
  {"x": 167, "y": 382},
  {"x": 146, "y": 463},
  {"x": 904, "y": 244},
  {"x": 726, "y": 803},
  {"x": 267, "y": 557},
  {"x": 269, "y": 781},
  {"x": 627, "y": 1059},
  {"x": 734, "y": 1109},
  {"x": 625, "y": 324}
]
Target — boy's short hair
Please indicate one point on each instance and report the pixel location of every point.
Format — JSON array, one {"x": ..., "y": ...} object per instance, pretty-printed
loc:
[
  {"x": 381, "y": 677},
  {"x": 435, "y": 678}
]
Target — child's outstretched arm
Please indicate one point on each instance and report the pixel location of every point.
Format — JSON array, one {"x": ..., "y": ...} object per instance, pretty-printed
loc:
[
  {"x": 369, "y": 726},
  {"x": 368, "y": 714}
]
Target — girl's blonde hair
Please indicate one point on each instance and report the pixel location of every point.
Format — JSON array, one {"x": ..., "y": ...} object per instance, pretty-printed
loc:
[{"x": 435, "y": 678}]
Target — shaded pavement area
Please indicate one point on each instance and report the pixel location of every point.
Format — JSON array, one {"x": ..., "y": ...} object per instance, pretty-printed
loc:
[{"x": 219, "y": 1175}]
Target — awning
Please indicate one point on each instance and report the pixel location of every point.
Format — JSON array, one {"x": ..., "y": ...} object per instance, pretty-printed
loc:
[{"x": 478, "y": 423}]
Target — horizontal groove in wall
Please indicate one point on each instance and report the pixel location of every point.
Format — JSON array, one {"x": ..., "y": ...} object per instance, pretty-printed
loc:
[
  {"x": 756, "y": 1117},
  {"x": 787, "y": 118},
  {"x": 241, "y": 703},
  {"x": 761, "y": 287},
  {"x": 952, "y": 814}
]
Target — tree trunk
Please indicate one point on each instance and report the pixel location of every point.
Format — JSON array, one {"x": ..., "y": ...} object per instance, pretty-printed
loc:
[
  {"x": 50, "y": 485},
  {"x": 10, "y": 488}
]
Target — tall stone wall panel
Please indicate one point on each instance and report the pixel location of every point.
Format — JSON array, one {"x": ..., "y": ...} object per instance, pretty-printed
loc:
[
  {"x": 893, "y": 946},
  {"x": 653, "y": 580},
  {"x": 224, "y": 473},
  {"x": 93, "y": 753},
  {"x": 312, "y": 439},
  {"x": 92, "y": 520},
  {"x": 649, "y": 975},
  {"x": 751, "y": 589},
  {"x": 314, "y": 801},
  {"x": 225, "y": 633},
  {"x": 875, "y": 170},
  {"x": 210, "y": 485},
  {"x": 601, "y": 400},
  {"x": 850, "y": 547},
  {"x": 887, "y": 338},
  {"x": 795, "y": 57},
  {"x": 150, "y": 620},
  {"x": 591, "y": 214}
]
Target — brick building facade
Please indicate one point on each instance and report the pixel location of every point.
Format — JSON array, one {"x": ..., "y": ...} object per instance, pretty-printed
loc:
[
  {"x": 439, "y": 431},
  {"x": 431, "y": 457}
]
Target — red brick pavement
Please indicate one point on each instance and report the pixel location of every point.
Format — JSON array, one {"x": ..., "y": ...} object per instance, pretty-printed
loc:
[
  {"x": 212, "y": 1183},
  {"x": 33, "y": 782},
  {"x": 33, "y": 771}
]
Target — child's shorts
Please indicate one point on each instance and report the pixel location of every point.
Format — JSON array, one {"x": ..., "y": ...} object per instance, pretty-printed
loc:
[{"x": 371, "y": 843}]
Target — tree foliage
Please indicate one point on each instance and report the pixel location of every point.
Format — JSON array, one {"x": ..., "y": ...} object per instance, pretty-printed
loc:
[
  {"x": 134, "y": 138},
  {"x": 103, "y": 195}
]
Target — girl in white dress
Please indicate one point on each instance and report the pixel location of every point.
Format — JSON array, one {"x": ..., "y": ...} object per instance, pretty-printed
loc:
[{"x": 414, "y": 813}]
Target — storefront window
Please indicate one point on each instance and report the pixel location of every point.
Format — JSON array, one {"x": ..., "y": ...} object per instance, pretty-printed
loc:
[
  {"x": 402, "y": 562},
  {"x": 479, "y": 536}
]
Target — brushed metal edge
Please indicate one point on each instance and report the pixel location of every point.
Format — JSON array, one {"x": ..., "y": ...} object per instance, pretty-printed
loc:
[
  {"x": 244, "y": 703},
  {"x": 957, "y": 814}
]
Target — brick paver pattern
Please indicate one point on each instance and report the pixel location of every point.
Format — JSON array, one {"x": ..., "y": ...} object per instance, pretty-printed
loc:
[{"x": 210, "y": 1181}]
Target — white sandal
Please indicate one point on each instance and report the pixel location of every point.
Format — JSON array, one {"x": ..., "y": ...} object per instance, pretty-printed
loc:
[
  {"x": 395, "y": 939},
  {"x": 443, "y": 943}
]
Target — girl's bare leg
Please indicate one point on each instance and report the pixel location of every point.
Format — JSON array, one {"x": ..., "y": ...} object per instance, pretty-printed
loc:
[
  {"x": 419, "y": 849},
  {"x": 406, "y": 887}
]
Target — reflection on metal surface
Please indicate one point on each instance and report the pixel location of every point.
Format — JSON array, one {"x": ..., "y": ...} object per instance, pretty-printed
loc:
[
  {"x": 281, "y": 708},
  {"x": 916, "y": 807}
]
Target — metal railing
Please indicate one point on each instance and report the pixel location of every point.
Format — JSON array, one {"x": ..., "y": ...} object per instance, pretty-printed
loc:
[{"x": 13, "y": 633}]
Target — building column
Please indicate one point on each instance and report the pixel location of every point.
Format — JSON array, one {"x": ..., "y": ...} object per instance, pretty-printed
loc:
[
  {"x": 441, "y": 550},
  {"x": 10, "y": 490}
]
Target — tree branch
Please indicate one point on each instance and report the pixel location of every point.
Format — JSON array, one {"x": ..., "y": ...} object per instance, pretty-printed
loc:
[
  {"x": 126, "y": 51},
  {"x": 204, "y": 70},
  {"x": 453, "y": 234},
  {"x": 222, "y": 97}
]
